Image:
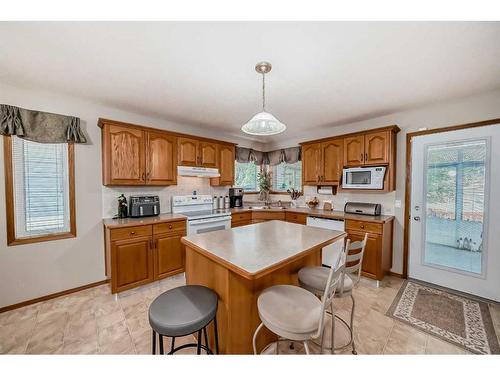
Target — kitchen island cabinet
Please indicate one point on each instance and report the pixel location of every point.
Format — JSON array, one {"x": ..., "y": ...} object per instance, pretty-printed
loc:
[{"x": 241, "y": 262}]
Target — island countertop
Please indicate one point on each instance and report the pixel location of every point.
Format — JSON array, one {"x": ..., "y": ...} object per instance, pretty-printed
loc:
[{"x": 255, "y": 250}]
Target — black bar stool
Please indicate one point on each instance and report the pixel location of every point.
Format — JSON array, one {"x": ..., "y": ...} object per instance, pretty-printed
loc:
[{"x": 183, "y": 311}]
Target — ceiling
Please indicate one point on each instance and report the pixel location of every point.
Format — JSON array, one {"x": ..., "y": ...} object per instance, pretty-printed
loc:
[{"x": 202, "y": 73}]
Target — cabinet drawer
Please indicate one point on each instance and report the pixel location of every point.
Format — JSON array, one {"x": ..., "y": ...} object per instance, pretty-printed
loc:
[
  {"x": 296, "y": 218},
  {"x": 268, "y": 215},
  {"x": 243, "y": 216},
  {"x": 130, "y": 232},
  {"x": 240, "y": 223},
  {"x": 170, "y": 227},
  {"x": 363, "y": 226}
]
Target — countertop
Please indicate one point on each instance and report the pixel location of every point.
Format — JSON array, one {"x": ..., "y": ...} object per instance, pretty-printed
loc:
[
  {"x": 132, "y": 221},
  {"x": 321, "y": 213},
  {"x": 253, "y": 249}
]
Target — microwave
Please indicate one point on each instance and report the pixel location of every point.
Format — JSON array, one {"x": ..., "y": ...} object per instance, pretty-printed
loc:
[{"x": 363, "y": 178}]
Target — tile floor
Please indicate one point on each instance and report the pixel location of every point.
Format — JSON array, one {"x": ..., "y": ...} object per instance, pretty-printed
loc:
[{"x": 93, "y": 321}]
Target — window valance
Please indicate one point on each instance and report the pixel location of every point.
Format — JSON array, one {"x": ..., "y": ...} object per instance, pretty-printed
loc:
[
  {"x": 42, "y": 127},
  {"x": 289, "y": 155}
]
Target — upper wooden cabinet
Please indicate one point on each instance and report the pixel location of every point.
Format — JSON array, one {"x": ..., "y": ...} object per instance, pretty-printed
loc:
[
  {"x": 195, "y": 153},
  {"x": 123, "y": 155},
  {"x": 367, "y": 149},
  {"x": 311, "y": 161},
  {"x": 226, "y": 155},
  {"x": 323, "y": 160},
  {"x": 138, "y": 155},
  {"x": 161, "y": 166}
]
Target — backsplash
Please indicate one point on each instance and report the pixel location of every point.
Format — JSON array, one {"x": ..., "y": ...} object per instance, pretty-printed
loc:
[
  {"x": 185, "y": 186},
  {"x": 387, "y": 200}
]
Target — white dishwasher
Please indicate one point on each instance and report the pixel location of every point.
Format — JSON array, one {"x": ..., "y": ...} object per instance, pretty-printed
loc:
[{"x": 331, "y": 252}]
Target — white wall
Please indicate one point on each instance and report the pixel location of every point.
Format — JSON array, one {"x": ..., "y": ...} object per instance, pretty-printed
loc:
[
  {"x": 34, "y": 270},
  {"x": 466, "y": 110}
]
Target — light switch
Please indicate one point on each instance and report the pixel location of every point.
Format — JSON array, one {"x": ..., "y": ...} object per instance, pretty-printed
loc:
[{"x": 397, "y": 203}]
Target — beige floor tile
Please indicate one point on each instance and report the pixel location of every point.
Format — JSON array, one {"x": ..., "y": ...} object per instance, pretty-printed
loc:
[
  {"x": 437, "y": 346},
  {"x": 112, "y": 333},
  {"x": 372, "y": 333},
  {"x": 19, "y": 315},
  {"x": 123, "y": 345},
  {"x": 86, "y": 330},
  {"x": 105, "y": 321},
  {"x": 405, "y": 340},
  {"x": 14, "y": 337},
  {"x": 82, "y": 346},
  {"x": 134, "y": 310}
]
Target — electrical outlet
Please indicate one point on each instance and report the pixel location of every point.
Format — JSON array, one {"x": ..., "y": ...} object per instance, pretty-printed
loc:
[{"x": 397, "y": 203}]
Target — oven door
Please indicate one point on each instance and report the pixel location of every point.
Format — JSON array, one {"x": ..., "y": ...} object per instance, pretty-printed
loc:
[{"x": 198, "y": 226}]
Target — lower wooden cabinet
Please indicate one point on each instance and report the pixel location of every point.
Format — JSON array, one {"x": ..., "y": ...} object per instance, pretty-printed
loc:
[
  {"x": 141, "y": 254},
  {"x": 297, "y": 218},
  {"x": 377, "y": 260}
]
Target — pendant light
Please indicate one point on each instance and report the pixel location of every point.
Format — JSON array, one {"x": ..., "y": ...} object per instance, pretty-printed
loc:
[{"x": 263, "y": 123}]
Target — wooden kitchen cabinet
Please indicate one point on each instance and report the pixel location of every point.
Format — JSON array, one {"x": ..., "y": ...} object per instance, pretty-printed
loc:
[
  {"x": 161, "y": 166},
  {"x": 226, "y": 155},
  {"x": 195, "y": 153},
  {"x": 377, "y": 260},
  {"x": 354, "y": 150},
  {"x": 372, "y": 148},
  {"x": 332, "y": 162},
  {"x": 123, "y": 155},
  {"x": 137, "y": 255},
  {"x": 297, "y": 218},
  {"x": 132, "y": 263},
  {"x": 311, "y": 161}
]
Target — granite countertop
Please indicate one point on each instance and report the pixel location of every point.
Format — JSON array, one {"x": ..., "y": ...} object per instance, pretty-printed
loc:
[
  {"x": 250, "y": 250},
  {"x": 320, "y": 213},
  {"x": 132, "y": 221}
]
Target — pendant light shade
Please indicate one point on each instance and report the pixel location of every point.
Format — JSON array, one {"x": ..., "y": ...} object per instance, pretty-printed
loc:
[{"x": 263, "y": 123}]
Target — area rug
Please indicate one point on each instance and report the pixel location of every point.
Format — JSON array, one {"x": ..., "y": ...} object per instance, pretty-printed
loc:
[{"x": 460, "y": 319}]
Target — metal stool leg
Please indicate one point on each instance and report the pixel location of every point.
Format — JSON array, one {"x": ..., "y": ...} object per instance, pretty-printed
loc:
[
  {"x": 333, "y": 329},
  {"x": 352, "y": 327},
  {"x": 154, "y": 342},
  {"x": 206, "y": 339},
  {"x": 306, "y": 347},
  {"x": 255, "y": 337},
  {"x": 160, "y": 338},
  {"x": 198, "y": 348},
  {"x": 172, "y": 345},
  {"x": 216, "y": 336}
]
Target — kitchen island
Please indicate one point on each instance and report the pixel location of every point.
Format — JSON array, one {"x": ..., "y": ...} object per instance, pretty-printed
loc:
[{"x": 239, "y": 263}]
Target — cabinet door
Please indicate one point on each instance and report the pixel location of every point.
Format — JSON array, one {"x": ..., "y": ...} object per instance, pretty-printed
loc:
[
  {"x": 311, "y": 163},
  {"x": 371, "y": 258},
  {"x": 162, "y": 159},
  {"x": 169, "y": 256},
  {"x": 187, "y": 151},
  {"x": 124, "y": 156},
  {"x": 226, "y": 166},
  {"x": 208, "y": 155},
  {"x": 132, "y": 263},
  {"x": 354, "y": 150},
  {"x": 377, "y": 147},
  {"x": 333, "y": 158}
]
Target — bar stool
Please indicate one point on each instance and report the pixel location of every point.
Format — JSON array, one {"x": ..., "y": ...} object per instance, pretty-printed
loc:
[
  {"x": 296, "y": 314},
  {"x": 183, "y": 311},
  {"x": 314, "y": 280}
]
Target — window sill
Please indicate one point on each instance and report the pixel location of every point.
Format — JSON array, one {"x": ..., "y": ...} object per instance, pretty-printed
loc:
[{"x": 44, "y": 238}]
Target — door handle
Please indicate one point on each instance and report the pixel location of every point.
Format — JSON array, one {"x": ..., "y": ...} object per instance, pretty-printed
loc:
[
  {"x": 362, "y": 157},
  {"x": 416, "y": 218},
  {"x": 366, "y": 156}
]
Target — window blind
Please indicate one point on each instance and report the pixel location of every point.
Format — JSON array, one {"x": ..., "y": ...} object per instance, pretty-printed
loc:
[
  {"x": 41, "y": 188},
  {"x": 287, "y": 176}
]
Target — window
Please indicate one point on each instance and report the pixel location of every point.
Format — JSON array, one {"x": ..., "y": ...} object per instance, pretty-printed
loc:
[
  {"x": 287, "y": 176},
  {"x": 40, "y": 191},
  {"x": 246, "y": 176}
]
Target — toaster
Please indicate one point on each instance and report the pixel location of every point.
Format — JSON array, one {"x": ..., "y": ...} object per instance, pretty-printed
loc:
[
  {"x": 363, "y": 208},
  {"x": 144, "y": 205}
]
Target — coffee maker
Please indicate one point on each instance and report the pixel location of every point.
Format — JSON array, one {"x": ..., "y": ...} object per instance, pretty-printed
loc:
[{"x": 235, "y": 197}]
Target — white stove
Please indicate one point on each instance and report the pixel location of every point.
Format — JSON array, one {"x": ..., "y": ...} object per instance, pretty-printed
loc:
[{"x": 201, "y": 218}]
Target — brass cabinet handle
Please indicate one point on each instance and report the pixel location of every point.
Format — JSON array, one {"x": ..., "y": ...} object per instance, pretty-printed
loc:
[
  {"x": 362, "y": 226},
  {"x": 132, "y": 232},
  {"x": 362, "y": 157},
  {"x": 170, "y": 226},
  {"x": 143, "y": 176},
  {"x": 366, "y": 156}
]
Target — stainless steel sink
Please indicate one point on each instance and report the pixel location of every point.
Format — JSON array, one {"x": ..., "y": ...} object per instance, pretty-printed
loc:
[{"x": 266, "y": 208}]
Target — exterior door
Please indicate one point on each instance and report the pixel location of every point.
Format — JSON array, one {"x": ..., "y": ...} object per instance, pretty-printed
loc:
[
  {"x": 332, "y": 152},
  {"x": 162, "y": 159},
  {"x": 454, "y": 223},
  {"x": 126, "y": 155},
  {"x": 187, "y": 152},
  {"x": 354, "y": 150},
  {"x": 169, "y": 256},
  {"x": 208, "y": 155},
  {"x": 133, "y": 263},
  {"x": 311, "y": 163},
  {"x": 377, "y": 148}
]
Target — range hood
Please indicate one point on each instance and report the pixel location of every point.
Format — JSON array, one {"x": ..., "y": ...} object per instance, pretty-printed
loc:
[{"x": 197, "y": 172}]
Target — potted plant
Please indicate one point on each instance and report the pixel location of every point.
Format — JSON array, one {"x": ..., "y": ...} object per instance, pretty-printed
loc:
[{"x": 264, "y": 179}]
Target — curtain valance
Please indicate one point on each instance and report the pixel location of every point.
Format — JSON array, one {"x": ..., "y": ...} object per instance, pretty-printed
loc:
[
  {"x": 37, "y": 126},
  {"x": 288, "y": 155}
]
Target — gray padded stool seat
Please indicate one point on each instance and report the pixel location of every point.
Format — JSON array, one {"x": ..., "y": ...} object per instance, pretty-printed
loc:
[{"x": 182, "y": 311}]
